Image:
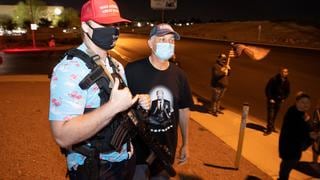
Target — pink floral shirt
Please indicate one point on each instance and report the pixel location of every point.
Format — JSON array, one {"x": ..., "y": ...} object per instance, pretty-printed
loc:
[{"x": 68, "y": 100}]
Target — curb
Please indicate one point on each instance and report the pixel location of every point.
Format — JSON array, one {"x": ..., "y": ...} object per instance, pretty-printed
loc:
[{"x": 24, "y": 78}]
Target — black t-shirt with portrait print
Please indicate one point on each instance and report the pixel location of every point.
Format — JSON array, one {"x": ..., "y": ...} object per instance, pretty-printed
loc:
[{"x": 169, "y": 91}]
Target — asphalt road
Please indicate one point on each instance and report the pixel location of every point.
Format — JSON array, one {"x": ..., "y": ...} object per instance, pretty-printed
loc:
[
  {"x": 247, "y": 81},
  {"x": 248, "y": 77}
]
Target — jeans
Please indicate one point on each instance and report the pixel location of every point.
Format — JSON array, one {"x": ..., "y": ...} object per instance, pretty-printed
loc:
[
  {"x": 273, "y": 109},
  {"x": 217, "y": 94},
  {"x": 123, "y": 170},
  {"x": 143, "y": 173},
  {"x": 285, "y": 168}
]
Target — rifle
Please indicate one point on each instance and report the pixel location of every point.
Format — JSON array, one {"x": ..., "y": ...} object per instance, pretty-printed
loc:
[{"x": 134, "y": 119}]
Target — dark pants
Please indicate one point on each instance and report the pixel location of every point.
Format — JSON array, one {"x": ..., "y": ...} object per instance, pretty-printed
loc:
[
  {"x": 107, "y": 170},
  {"x": 143, "y": 173},
  {"x": 285, "y": 168},
  {"x": 217, "y": 94},
  {"x": 316, "y": 150},
  {"x": 273, "y": 109}
]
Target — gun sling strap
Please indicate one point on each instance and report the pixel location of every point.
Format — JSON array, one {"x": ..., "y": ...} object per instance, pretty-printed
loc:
[{"x": 112, "y": 132}]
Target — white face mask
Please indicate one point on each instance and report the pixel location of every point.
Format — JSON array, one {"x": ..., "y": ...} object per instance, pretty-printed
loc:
[{"x": 164, "y": 51}]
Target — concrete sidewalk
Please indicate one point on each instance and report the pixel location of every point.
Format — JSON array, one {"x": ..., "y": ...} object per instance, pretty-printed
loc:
[{"x": 260, "y": 150}]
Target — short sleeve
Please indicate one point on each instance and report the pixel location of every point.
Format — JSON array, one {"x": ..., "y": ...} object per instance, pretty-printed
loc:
[{"x": 67, "y": 99}]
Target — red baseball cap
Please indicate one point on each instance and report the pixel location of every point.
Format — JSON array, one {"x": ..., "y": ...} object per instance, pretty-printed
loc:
[{"x": 102, "y": 12}]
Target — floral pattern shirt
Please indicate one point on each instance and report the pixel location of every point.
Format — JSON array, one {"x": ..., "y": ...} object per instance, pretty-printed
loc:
[{"x": 68, "y": 100}]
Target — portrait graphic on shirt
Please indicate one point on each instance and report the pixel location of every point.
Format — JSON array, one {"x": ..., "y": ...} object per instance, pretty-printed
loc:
[{"x": 161, "y": 111}]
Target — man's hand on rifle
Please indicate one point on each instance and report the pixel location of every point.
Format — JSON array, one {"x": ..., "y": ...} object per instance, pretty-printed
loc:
[
  {"x": 183, "y": 154},
  {"x": 144, "y": 101},
  {"x": 121, "y": 98}
]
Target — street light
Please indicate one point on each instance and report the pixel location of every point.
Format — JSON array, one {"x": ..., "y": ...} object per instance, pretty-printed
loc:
[{"x": 57, "y": 11}]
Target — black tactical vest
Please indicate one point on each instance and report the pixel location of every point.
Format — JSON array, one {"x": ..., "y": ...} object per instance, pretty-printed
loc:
[{"x": 100, "y": 141}]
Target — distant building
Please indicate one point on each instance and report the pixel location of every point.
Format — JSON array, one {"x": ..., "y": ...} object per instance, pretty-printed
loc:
[{"x": 7, "y": 10}]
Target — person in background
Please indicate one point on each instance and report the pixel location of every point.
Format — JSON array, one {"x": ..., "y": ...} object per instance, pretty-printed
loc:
[
  {"x": 294, "y": 135},
  {"x": 171, "y": 99},
  {"x": 314, "y": 124},
  {"x": 219, "y": 83},
  {"x": 52, "y": 41},
  {"x": 276, "y": 91}
]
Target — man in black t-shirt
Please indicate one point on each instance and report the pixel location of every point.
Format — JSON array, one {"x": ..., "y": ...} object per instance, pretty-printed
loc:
[{"x": 171, "y": 98}]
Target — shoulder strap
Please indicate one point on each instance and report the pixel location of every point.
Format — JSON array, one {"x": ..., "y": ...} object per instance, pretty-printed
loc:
[
  {"x": 115, "y": 67},
  {"x": 83, "y": 56},
  {"x": 96, "y": 75},
  {"x": 116, "y": 73}
]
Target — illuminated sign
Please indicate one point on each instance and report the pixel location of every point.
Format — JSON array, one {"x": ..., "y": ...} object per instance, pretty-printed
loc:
[
  {"x": 33, "y": 26},
  {"x": 164, "y": 4}
]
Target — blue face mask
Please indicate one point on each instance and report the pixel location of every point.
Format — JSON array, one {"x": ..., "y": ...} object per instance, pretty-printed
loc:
[{"x": 164, "y": 51}]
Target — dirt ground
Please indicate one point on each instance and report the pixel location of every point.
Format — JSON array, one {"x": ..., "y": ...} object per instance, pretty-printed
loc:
[{"x": 28, "y": 150}]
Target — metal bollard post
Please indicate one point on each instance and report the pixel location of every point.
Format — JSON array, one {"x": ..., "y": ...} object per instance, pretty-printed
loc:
[{"x": 245, "y": 112}]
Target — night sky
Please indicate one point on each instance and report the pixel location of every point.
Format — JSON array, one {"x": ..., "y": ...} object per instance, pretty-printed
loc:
[{"x": 216, "y": 10}]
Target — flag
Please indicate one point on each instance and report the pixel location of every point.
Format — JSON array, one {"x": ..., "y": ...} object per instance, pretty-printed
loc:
[{"x": 254, "y": 52}]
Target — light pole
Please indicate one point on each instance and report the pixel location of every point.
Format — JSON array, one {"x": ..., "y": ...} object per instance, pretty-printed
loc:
[
  {"x": 32, "y": 22},
  {"x": 259, "y": 32}
]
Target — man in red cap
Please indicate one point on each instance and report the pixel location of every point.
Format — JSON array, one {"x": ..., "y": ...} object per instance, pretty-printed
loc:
[{"x": 84, "y": 117}]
